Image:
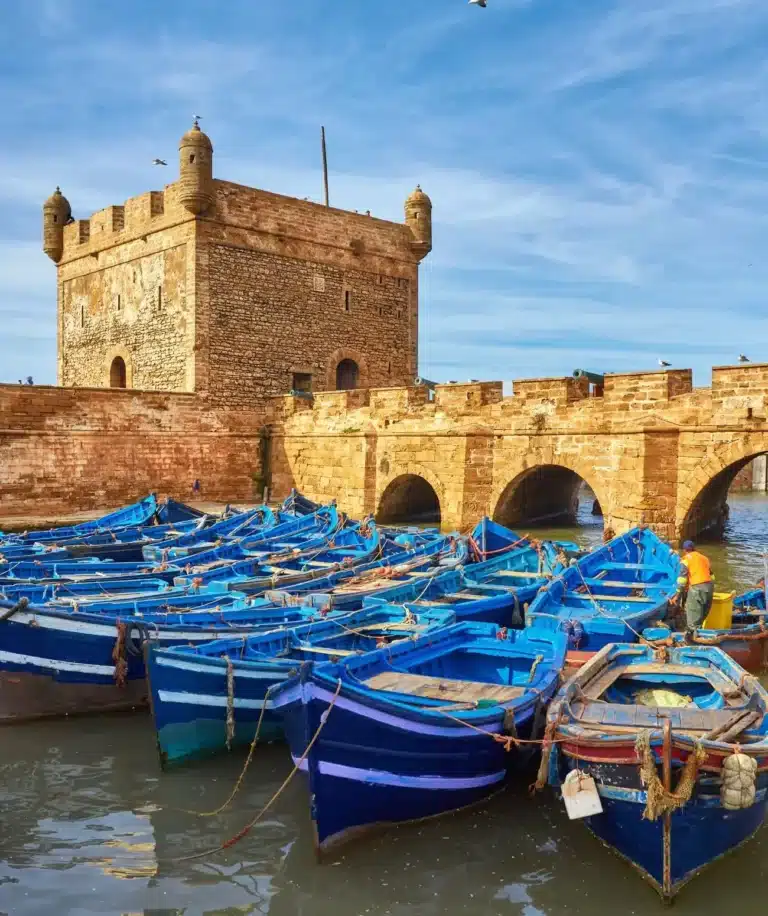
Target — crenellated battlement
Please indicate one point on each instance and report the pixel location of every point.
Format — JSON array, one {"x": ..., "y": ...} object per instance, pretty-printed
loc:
[
  {"x": 139, "y": 216},
  {"x": 548, "y": 402},
  {"x": 647, "y": 443}
]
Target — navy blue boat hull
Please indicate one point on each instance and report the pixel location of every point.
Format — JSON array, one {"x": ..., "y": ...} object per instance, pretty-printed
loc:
[
  {"x": 418, "y": 773},
  {"x": 63, "y": 663},
  {"x": 700, "y": 833},
  {"x": 189, "y": 700}
]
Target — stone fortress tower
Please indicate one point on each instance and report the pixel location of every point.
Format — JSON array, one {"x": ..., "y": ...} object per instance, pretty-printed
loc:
[{"x": 235, "y": 293}]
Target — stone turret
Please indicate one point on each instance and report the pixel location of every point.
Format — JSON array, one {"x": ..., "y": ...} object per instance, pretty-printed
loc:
[
  {"x": 418, "y": 218},
  {"x": 56, "y": 214},
  {"x": 196, "y": 170}
]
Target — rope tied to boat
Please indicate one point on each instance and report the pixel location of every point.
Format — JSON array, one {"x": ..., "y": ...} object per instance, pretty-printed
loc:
[
  {"x": 21, "y": 605},
  {"x": 230, "y": 702},
  {"x": 547, "y": 743},
  {"x": 536, "y": 662},
  {"x": 297, "y": 766},
  {"x": 660, "y": 801},
  {"x": 484, "y": 554},
  {"x": 118, "y": 655}
]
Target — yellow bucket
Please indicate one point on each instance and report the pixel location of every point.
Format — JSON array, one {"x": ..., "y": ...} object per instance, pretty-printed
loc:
[{"x": 721, "y": 613}]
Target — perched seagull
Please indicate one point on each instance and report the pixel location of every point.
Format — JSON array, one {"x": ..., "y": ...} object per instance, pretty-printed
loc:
[
  {"x": 482, "y": 3},
  {"x": 743, "y": 358},
  {"x": 159, "y": 162},
  {"x": 663, "y": 363}
]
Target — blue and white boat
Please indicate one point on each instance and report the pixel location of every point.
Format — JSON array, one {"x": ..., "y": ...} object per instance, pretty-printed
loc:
[
  {"x": 745, "y": 640},
  {"x": 65, "y": 592},
  {"x": 677, "y": 745},
  {"x": 489, "y": 538},
  {"x": 241, "y": 526},
  {"x": 497, "y": 590},
  {"x": 404, "y": 561},
  {"x": 419, "y": 728},
  {"x": 281, "y": 563},
  {"x": 62, "y": 660},
  {"x": 299, "y": 533},
  {"x": 42, "y": 570},
  {"x": 212, "y": 562},
  {"x": 611, "y": 594},
  {"x": 210, "y": 698},
  {"x": 86, "y": 658},
  {"x": 144, "y": 512}
]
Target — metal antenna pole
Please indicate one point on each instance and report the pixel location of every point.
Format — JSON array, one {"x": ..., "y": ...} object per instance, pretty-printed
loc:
[{"x": 325, "y": 165}]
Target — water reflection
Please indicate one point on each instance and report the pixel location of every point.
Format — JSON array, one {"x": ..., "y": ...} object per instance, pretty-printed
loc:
[
  {"x": 112, "y": 845},
  {"x": 91, "y": 826}
]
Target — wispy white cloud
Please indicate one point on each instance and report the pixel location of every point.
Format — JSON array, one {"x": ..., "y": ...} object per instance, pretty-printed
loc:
[{"x": 597, "y": 170}]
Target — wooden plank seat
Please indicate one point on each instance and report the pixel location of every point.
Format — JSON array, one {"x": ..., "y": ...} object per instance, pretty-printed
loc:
[
  {"x": 491, "y": 588},
  {"x": 320, "y": 650},
  {"x": 632, "y": 716},
  {"x": 590, "y": 595},
  {"x": 396, "y": 625},
  {"x": 440, "y": 688},
  {"x": 617, "y": 583},
  {"x": 518, "y": 573},
  {"x": 319, "y": 563}
]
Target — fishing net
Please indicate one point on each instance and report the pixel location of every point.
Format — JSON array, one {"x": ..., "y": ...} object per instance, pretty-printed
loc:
[{"x": 659, "y": 696}]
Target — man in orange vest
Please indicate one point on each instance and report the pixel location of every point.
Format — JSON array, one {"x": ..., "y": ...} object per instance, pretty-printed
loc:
[{"x": 696, "y": 573}]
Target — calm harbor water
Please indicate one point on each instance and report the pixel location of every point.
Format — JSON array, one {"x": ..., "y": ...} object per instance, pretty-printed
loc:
[{"x": 89, "y": 825}]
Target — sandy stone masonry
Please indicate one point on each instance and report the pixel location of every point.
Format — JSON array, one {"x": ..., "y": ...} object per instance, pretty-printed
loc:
[
  {"x": 217, "y": 300},
  {"x": 232, "y": 292},
  {"x": 653, "y": 449},
  {"x": 65, "y": 449}
]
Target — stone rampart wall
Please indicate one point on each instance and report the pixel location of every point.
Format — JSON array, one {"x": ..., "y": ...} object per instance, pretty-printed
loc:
[
  {"x": 648, "y": 446},
  {"x": 64, "y": 449}
]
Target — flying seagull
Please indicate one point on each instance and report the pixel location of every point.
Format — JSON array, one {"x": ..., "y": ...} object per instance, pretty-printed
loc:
[
  {"x": 743, "y": 358},
  {"x": 663, "y": 363},
  {"x": 159, "y": 162},
  {"x": 482, "y": 3}
]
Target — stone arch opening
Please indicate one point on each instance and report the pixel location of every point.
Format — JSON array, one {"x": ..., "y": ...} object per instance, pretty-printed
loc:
[
  {"x": 409, "y": 499},
  {"x": 118, "y": 373},
  {"x": 347, "y": 375},
  {"x": 545, "y": 496},
  {"x": 709, "y": 514}
]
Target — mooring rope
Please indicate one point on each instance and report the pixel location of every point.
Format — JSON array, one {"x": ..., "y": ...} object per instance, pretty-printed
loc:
[{"x": 254, "y": 820}]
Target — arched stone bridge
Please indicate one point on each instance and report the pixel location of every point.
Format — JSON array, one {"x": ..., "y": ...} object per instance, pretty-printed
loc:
[{"x": 653, "y": 449}]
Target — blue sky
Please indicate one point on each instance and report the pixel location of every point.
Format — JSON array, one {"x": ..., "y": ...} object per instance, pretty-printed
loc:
[{"x": 598, "y": 170}]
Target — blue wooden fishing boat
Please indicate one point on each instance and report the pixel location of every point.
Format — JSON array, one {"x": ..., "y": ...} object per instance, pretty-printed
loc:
[
  {"x": 745, "y": 640},
  {"x": 141, "y": 513},
  {"x": 214, "y": 697},
  {"x": 489, "y": 538},
  {"x": 67, "y": 660},
  {"x": 419, "y": 728},
  {"x": 403, "y": 561},
  {"x": 64, "y": 660},
  {"x": 87, "y": 590},
  {"x": 281, "y": 563},
  {"x": 676, "y": 741},
  {"x": 242, "y": 525},
  {"x": 497, "y": 590},
  {"x": 317, "y": 530},
  {"x": 128, "y": 543},
  {"x": 294, "y": 533},
  {"x": 612, "y": 593},
  {"x": 28, "y": 551},
  {"x": 136, "y": 514},
  {"x": 84, "y": 568}
]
